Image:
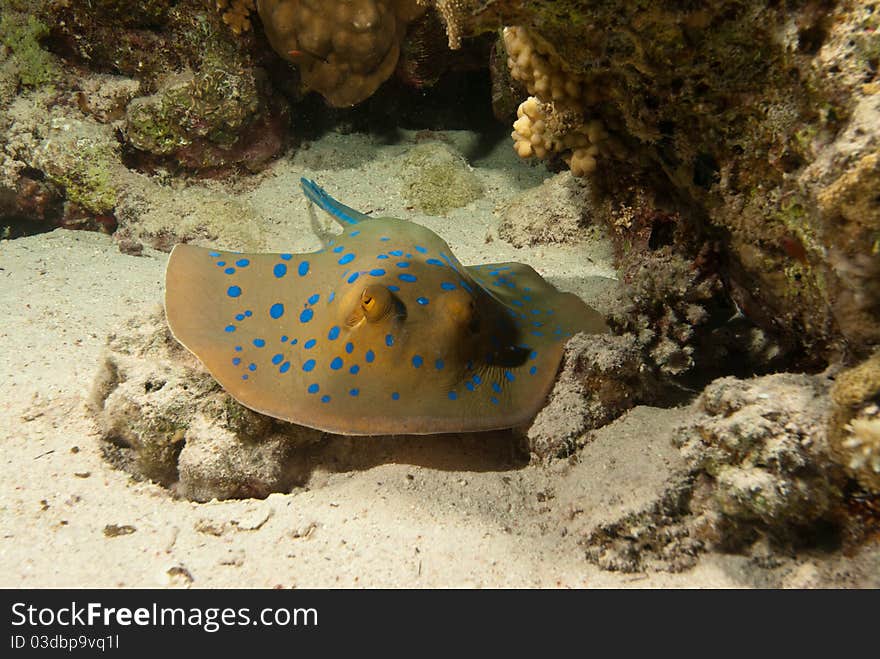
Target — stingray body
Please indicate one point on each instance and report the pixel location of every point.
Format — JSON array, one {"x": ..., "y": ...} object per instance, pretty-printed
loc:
[{"x": 381, "y": 332}]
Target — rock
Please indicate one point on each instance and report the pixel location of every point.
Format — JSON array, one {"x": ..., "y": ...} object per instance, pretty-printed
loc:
[
  {"x": 558, "y": 211},
  {"x": 164, "y": 418},
  {"x": 437, "y": 180}
]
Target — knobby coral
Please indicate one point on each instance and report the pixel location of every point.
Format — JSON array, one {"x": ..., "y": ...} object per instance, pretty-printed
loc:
[
  {"x": 344, "y": 49},
  {"x": 236, "y": 13},
  {"x": 552, "y": 120}
]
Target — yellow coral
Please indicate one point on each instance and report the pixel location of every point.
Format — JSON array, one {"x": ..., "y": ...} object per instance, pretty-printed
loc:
[
  {"x": 854, "y": 431},
  {"x": 236, "y": 13},
  {"x": 551, "y": 121},
  {"x": 344, "y": 49}
]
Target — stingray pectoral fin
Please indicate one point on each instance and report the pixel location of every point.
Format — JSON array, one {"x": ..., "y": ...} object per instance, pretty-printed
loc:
[
  {"x": 345, "y": 215},
  {"x": 520, "y": 288}
]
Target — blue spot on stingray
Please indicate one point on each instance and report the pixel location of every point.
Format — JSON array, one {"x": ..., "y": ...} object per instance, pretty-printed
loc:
[
  {"x": 237, "y": 348},
  {"x": 354, "y": 392},
  {"x": 421, "y": 249},
  {"x": 349, "y": 347},
  {"x": 469, "y": 385},
  {"x": 466, "y": 286},
  {"x": 422, "y": 300},
  {"x": 259, "y": 342},
  {"x": 354, "y": 277},
  {"x": 370, "y": 356},
  {"x": 494, "y": 400},
  {"x": 435, "y": 262},
  {"x": 438, "y": 364},
  {"x": 244, "y": 377},
  {"x": 252, "y": 367},
  {"x": 280, "y": 270},
  {"x": 407, "y": 277},
  {"x": 389, "y": 340},
  {"x": 276, "y": 310},
  {"x": 213, "y": 253},
  {"x": 355, "y": 233},
  {"x": 537, "y": 333},
  {"x": 533, "y": 370},
  {"x": 303, "y": 268},
  {"x": 336, "y": 250},
  {"x": 308, "y": 345},
  {"x": 384, "y": 239},
  {"x": 293, "y": 342},
  {"x": 354, "y": 369},
  {"x": 277, "y": 359},
  {"x": 221, "y": 263},
  {"x": 333, "y": 334},
  {"x": 396, "y": 252},
  {"x": 236, "y": 361},
  {"x": 536, "y": 311},
  {"x": 417, "y": 361},
  {"x": 313, "y": 388},
  {"x": 229, "y": 271},
  {"x": 348, "y": 258},
  {"x": 286, "y": 257},
  {"x": 538, "y": 324},
  {"x": 477, "y": 379},
  {"x": 229, "y": 328},
  {"x": 336, "y": 364},
  {"x": 284, "y": 367},
  {"x": 377, "y": 272},
  {"x": 496, "y": 387},
  {"x": 452, "y": 395},
  {"x": 382, "y": 256},
  {"x": 284, "y": 338},
  {"x": 510, "y": 377},
  {"x": 325, "y": 399},
  {"x": 395, "y": 396},
  {"x": 306, "y": 315},
  {"x": 242, "y": 263},
  {"x": 448, "y": 286},
  {"x": 393, "y": 288},
  {"x": 516, "y": 303},
  {"x": 309, "y": 365},
  {"x": 533, "y": 355},
  {"x": 402, "y": 264},
  {"x": 313, "y": 298},
  {"x": 239, "y": 316},
  {"x": 248, "y": 313}
]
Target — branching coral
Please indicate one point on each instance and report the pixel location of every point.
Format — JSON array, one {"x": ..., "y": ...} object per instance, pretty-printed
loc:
[
  {"x": 236, "y": 13},
  {"x": 552, "y": 120},
  {"x": 344, "y": 49}
]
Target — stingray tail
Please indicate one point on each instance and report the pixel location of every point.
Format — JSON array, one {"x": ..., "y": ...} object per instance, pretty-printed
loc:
[{"x": 340, "y": 212}]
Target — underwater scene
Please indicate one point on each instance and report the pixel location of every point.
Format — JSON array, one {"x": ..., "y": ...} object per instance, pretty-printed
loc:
[{"x": 440, "y": 293}]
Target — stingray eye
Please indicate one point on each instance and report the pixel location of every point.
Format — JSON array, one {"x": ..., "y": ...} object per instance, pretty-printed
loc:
[{"x": 375, "y": 302}]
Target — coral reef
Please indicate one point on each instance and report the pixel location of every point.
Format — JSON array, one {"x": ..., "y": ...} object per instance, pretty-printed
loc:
[
  {"x": 854, "y": 428},
  {"x": 344, "y": 52},
  {"x": 437, "y": 180},
  {"x": 164, "y": 418},
  {"x": 759, "y": 118},
  {"x": 236, "y": 13},
  {"x": 759, "y": 452}
]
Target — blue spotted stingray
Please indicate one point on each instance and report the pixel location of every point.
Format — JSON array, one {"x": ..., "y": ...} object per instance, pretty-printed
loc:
[{"x": 382, "y": 331}]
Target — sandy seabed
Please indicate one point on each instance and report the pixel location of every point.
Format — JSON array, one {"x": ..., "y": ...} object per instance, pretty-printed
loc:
[{"x": 451, "y": 511}]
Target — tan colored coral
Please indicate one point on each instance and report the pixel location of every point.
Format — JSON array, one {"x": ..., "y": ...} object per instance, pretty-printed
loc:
[
  {"x": 344, "y": 49},
  {"x": 854, "y": 431},
  {"x": 552, "y": 120},
  {"x": 542, "y": 128},
  {"x": 236, "y": 13}
]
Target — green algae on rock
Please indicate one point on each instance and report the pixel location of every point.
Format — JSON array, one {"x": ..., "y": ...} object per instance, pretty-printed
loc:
[{"x": 437, "y": 180}]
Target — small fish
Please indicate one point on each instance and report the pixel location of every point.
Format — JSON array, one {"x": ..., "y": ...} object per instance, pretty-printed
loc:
[{"x": 383, "y": 331}]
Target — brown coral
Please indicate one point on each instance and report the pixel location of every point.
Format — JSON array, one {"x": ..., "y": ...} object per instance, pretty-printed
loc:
[
  {"x": 236, "y": 13},
  {"x": 344, "y": 49}
]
